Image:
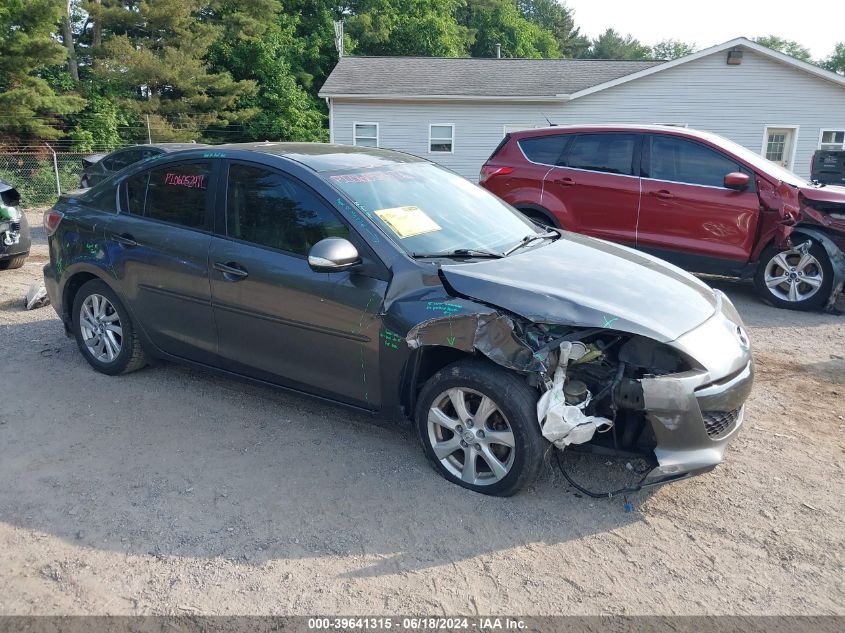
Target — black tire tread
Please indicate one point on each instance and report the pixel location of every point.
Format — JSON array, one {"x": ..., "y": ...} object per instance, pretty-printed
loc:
[{"x": 13, "y": 262}]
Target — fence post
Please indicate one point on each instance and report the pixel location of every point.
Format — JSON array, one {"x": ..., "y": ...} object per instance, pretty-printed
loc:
[{"x": 55, "y": 170}]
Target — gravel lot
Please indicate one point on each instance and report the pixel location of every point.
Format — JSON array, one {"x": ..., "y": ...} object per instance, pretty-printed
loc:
[{"x": 173, "y": 491}]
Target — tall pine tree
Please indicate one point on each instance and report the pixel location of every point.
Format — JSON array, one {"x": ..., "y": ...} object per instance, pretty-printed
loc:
[{"x": 29, "y": 106}]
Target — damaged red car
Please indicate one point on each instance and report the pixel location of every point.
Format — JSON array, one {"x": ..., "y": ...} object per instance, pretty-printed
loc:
[{"x": 693, "y": 198}]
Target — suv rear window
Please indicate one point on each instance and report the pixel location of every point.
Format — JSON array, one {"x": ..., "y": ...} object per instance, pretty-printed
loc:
[
  {"x": 609, "y": 153},
  {"x": 544, "y": 149}
]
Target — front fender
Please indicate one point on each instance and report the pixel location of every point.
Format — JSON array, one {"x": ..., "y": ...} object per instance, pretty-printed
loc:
[{"x": 837, "y": 258}]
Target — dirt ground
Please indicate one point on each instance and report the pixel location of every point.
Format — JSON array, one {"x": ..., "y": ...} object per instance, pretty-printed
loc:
[{"x": 173, "y": 491}]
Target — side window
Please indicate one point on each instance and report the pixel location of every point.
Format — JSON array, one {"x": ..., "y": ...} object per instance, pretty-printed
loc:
[
  {"x": 102, "y": 198},
  {"x": 543, "y": 149},
  {"x": 123, "y": 159},
  {"x": 269, "y": 209},
  {"x": 136, "y": 193},
  {"x": 608, "y": 153},
  {"x": 679, "y": 160},
  {"x": 173, "y": 193}
]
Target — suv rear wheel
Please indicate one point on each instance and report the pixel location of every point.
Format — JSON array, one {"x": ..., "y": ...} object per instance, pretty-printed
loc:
[
  {"x": 478, "y": 426},
  {"x": 794, "y": 279},
  {"x": 104, "y": 331}
]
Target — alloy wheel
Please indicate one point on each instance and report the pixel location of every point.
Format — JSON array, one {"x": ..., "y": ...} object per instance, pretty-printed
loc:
[
  {"x": 471, "y": 436},
  {"x": 101, "y": 330},
  {"x": 793, "y": 275}
]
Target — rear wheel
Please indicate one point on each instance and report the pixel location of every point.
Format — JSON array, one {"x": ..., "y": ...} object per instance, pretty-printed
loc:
[
  {"x": 478, "y": 426},
  {"x": 13, "y": 262},
  {"x": 794, "y": 279},
  {"x": 104, "y": 330}
]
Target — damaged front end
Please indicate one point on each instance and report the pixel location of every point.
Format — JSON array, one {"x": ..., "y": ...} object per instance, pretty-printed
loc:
[
  {"x": 10, "y": 216},
  {"x": 675, "y": 404}
]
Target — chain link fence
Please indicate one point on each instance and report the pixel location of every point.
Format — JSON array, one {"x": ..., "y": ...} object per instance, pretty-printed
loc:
[{"x": 40, "y": 174}]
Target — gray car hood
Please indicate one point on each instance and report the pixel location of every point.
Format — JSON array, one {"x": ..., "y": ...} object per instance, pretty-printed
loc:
[{"x": 581, "y": 281}]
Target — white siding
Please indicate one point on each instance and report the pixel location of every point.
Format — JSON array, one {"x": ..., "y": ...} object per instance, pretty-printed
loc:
[{"x": 734, "y": 101}]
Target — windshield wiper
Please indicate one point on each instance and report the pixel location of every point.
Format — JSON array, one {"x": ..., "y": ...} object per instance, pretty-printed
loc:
[
  {"x": 459, "y": 252},
  {"x": 525, "y": 241}
]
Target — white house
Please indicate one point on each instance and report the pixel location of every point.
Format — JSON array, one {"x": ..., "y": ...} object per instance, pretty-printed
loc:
[{"x": 456, "y": 111}]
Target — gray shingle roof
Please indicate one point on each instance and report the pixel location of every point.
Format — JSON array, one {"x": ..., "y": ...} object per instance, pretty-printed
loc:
[{"x": 472, "y": 77}]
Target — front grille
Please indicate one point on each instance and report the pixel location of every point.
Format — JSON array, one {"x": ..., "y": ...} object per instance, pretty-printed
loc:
[
  {"x": 16, "y": 226},
  {"x": 719, "y": 423}
]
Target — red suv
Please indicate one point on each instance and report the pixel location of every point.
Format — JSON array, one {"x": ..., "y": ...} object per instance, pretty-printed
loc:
[{"x": 693, "y": 198}]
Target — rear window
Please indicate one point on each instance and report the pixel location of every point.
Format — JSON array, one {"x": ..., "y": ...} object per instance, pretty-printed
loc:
[
  {"x": 545, "y": 150},
  {"x": 608, "y": 153},
  {"x": 173, "y": 193}
]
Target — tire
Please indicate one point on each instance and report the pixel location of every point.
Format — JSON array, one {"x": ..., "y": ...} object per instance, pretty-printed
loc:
[
  {"x": 129, "y": 354},
  {"x": 795, "y": 292},
  {"x": 513, "y": 419},
  {"x": 13, "y": 262}
]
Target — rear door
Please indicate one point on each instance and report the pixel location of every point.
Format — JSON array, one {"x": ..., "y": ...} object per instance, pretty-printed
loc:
[
  {"x": 277, "y": 319},
  {"x": 159, "y": 246},
  {"x": 687, "y": 215},
  {"x": 597, "y": 187}
]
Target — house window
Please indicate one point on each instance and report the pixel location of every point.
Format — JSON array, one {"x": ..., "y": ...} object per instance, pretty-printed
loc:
[
  {"x": 832, "y": 139},
  {"x": 365, "y": 134},
  {"x": 441, "y": 138}
]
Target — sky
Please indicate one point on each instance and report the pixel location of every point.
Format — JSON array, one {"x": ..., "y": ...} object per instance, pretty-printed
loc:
[{"x": 818, "y": 25}]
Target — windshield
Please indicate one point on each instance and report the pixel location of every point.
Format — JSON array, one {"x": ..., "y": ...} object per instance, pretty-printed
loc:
[
  {"x": 428, "y": 210},
  {"x": 760, "y": 162}
]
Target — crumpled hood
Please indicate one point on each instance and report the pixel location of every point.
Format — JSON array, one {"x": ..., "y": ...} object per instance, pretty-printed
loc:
[
  {"x": 581, "y": 281},
  {"x": 828, "y": 193}
]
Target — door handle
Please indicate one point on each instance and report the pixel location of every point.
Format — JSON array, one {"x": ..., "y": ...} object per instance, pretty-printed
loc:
[
  {"x": 663, "y": 194},
  {"x": 232, "y": 271},
  {"x": 565, "y": 182},
  {"x": 125, "y": 239}
]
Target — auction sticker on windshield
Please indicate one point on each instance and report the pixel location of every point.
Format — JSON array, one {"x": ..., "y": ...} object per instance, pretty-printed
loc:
[{"x": 407, "y": 221}]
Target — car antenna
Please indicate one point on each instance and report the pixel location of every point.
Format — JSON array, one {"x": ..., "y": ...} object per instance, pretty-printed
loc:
[{"x": 548, "y": 120}]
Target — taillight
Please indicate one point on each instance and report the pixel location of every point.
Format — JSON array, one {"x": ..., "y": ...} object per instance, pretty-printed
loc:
[
  {"x": 488, "y": 171},
  {"x": 52, "y": 218}
]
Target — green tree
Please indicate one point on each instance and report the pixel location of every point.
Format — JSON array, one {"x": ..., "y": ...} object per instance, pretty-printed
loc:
[
  {"x": 407, "y": 27},
  {"x": 492, "y": 22},
  {"x": 788, "y": 47},
  {"x": 836, "y": 62},
  {"x": 559, "y": 20},
  {"x": 153, "y": 57},
  {"x": 613, "y": 45},
  {"x": 285, "y": 111},
  {"x": 29, "y": 106},
  {"x": 671, "y": 49}
]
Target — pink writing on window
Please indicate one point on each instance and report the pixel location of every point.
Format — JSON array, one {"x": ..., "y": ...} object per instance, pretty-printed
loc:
[{"x": 191, "y": 181}]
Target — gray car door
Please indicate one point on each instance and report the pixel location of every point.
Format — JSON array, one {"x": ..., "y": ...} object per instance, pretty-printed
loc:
[
  {"x": 277, "y": 319},
  {"x": 161, "y": 242}
]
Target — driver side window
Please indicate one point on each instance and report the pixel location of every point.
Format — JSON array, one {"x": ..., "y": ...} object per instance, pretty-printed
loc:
[
  {"x": 270, "y": 209},
  {"x": 678, "y": 160}
]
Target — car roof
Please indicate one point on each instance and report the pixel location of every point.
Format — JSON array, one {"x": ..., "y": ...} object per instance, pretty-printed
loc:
[
  {"x": 320, "y": 157},
  {"x": 617, "y": 127}
]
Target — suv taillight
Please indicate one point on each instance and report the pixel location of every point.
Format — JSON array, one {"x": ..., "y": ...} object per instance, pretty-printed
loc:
[
  {"x": 52, "y": 219},
  {"x": 488, "y": 171}
]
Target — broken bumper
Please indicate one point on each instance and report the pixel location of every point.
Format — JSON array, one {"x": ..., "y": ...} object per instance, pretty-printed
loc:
[{"x": 694, "y": 416}]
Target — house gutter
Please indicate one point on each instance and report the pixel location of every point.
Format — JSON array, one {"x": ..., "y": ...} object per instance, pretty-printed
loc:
[{"x": 429, "y": 97}]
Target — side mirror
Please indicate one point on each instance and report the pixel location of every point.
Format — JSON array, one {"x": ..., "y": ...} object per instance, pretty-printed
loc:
[
  {"x": 332, "y": 255},
  {"x": 737, "y": 181}
]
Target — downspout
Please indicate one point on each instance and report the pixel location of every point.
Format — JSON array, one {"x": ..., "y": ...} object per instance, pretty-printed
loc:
[{"x": 331, "y": 119}]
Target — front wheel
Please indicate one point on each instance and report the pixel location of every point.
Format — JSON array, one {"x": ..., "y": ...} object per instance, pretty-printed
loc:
[
  {"x": 478, "y": 426},
  {"x": 104, "y": 330},
  {"x": 794, "y": 279}
]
